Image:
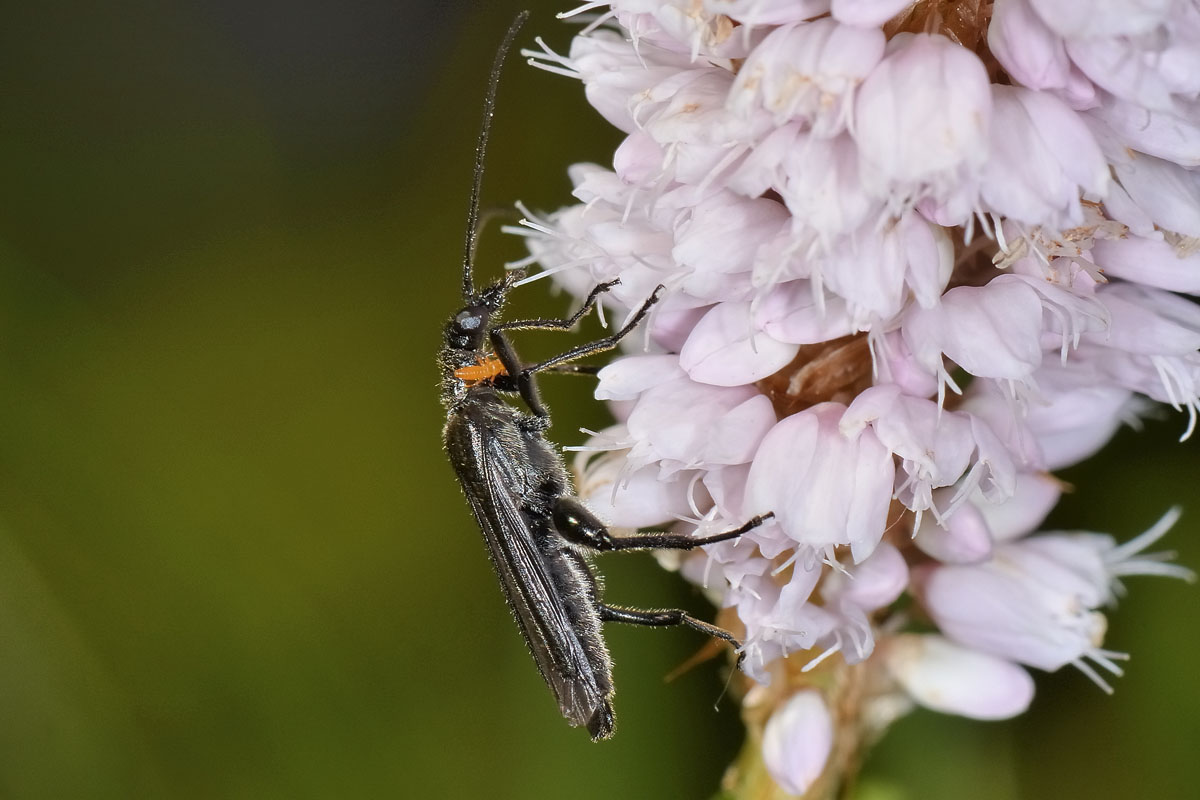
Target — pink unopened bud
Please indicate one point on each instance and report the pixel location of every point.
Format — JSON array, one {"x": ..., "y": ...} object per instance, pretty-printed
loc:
[{"x": 797, "y": 741}]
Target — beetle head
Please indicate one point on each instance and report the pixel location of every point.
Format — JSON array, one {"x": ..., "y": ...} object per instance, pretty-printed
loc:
[{"x": 467, "y": 329}]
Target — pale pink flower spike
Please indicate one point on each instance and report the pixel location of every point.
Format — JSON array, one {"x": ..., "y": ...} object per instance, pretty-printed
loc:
[{"x": 912, "y": 265}]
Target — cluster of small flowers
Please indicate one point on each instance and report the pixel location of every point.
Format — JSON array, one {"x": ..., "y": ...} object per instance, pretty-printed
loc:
[{"x": 915, "y": 260}]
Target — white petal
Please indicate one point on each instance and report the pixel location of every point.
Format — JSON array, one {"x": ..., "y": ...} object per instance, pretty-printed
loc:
[
  {"x": 825, "y": 488},
  {"x": 1035, "y": 495},
  {"x": 991, "y": 331},
  {"x": 768, "y": 12},
  {"x": 1172, "y": 134},
  {"x": 626, "y": 378},
  {"x": 807, "y": 72},
  {"x": 670, "y": 326},
  {"x": 720, "y": 235},
  {"x": 1043, "y": 156},
  {"x": 867, "y": 13},
  {"x": 964, "y": 539},
  {"x": 1149, "y": 261},
  {"x": 952, "y": 679},
  {"x": 1029, "y": 51},
  {"x": 725, "y": 348},
  {"x": 642, "y": 499},
  {"x": 822, "y": 186},
  {"x": 1167, "y": 192},
  {"x": 1149, "y": 321},
  {"x": 791, "y": 313},
  {"x": 938, "y": 136},
  {"x": 999, "y": 607},
  {"x": 1113, "y": 18},
  {"x": 685, "y": 424}
]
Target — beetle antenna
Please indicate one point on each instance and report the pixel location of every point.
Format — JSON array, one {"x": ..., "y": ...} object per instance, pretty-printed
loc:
[{"x": 489, "y": 110}]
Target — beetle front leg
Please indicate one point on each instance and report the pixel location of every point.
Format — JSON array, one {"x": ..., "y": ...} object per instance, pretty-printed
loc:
[{"x": 523, "y": 381}]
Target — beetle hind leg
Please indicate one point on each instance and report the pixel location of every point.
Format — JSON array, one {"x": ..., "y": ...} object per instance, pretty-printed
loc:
[{"x": 664, "y": 618}]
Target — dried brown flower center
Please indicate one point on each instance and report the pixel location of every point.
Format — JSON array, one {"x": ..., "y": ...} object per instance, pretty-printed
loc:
[{"x": 836, "y": 371}]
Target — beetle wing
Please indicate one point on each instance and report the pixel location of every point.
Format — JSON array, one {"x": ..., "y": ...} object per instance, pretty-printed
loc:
[{"x": 535, "y": 600}]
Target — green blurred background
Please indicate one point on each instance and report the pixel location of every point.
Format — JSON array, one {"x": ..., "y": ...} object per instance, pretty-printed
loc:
[{"x": 233, "y": 563}]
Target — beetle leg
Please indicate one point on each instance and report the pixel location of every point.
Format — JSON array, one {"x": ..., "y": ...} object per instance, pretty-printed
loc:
[
  {"x": 663, "y": 618},
  {"x": 575, "y": 523},
  {"x": 600, "y": 345}
]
